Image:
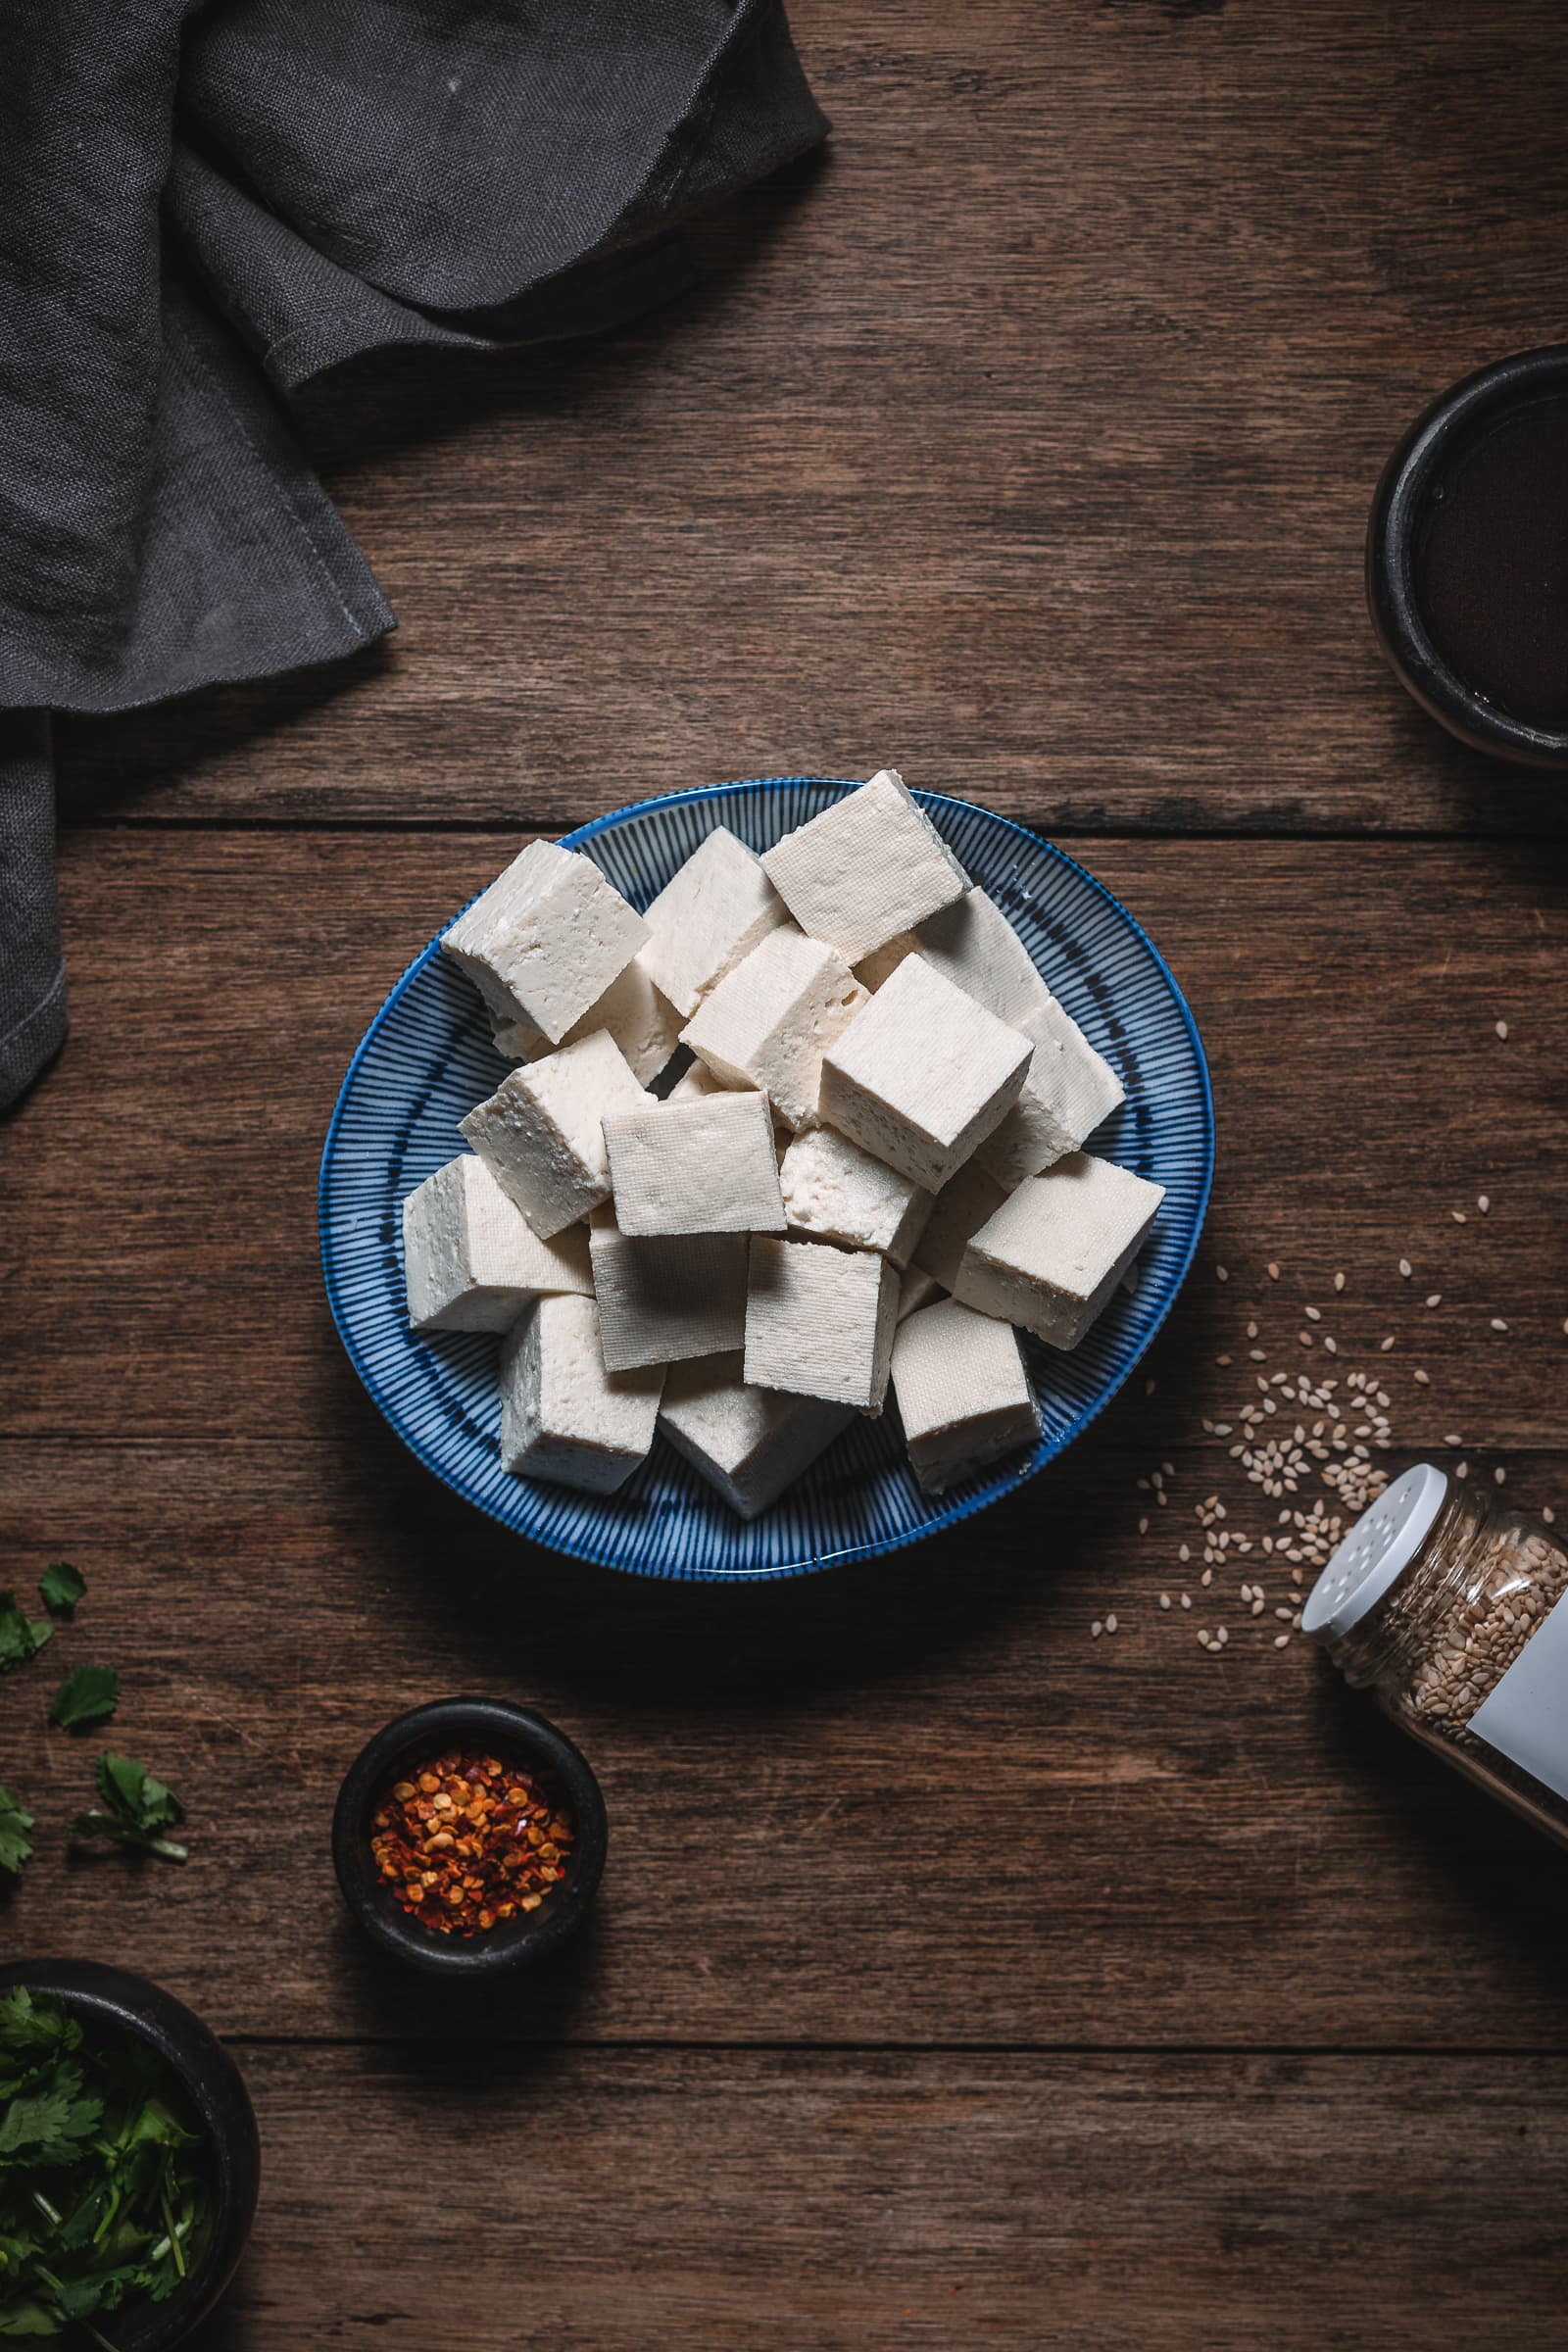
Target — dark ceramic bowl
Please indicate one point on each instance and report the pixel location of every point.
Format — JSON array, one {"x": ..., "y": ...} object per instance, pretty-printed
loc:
[
  {"x": 114, "y": 2000},
  {"x": 517, "y": 1736},
  {"x": 1399, "y": 510}
]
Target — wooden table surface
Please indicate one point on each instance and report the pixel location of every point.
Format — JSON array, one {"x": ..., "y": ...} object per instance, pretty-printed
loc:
[{"x": 960, "y": 1979}]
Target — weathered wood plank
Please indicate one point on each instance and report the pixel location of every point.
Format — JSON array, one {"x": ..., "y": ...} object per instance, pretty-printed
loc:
[
  {"x": 1027, "y": 442},
  {"x": 157, "y": 1196},
  {"x": 911, "y": 1801},
  {"x": 616, "y": 2203}
]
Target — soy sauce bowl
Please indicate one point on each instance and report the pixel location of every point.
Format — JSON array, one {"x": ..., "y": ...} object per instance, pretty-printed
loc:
[
  {"x": 111, "y": 2002},
  {"x": 486, "y": 1726},
  {"x": 1433, "y": 444}
]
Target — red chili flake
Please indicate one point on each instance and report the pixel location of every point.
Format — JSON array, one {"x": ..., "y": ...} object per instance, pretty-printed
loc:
[{"x": 467, "y": 1841}]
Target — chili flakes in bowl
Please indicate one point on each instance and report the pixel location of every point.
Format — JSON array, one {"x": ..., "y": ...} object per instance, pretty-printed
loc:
[{"x": 464, "y": 1841}]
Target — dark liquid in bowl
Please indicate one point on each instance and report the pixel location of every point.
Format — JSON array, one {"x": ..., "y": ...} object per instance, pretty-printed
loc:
[{"x": 1492, "y": 564}]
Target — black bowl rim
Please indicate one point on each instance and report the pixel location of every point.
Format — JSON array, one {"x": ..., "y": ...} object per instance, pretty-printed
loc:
[
  {"x": 217, "y": 2091},
  {"x": 1396, "y": 510},
  {"x": 499, "y": 1724}
]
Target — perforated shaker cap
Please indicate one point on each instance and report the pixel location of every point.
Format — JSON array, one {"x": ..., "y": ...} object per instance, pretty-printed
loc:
[{"x": 1384, "y": 1541}]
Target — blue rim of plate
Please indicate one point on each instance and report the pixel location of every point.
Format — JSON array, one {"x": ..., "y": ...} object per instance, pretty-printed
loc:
[{"x": 368, "y": 1308}]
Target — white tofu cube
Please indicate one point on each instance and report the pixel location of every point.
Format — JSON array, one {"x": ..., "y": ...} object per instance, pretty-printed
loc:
[
  {"x": 922, "y": 1075},
  {"x": 750, "y": 1443},
  {"x": 962, "y": 1207},
  {"x": 1069, "y": 1092},
  {"x": 541, "y": 1133},
  {"x": 834, "y": 1189},
  {"x": 707, "y": 1166},
  {"x": 872, "y": 865},
  {"x": 962, "y": 1394},
  {"x": 663, "y": 1297},
  {"x": 708, "y": 918},
  {"x": 820, "y": 1321},
  {"x": 546, "y": 938},
  {"x": 636, "y": 1014},
  {"x": 917, "y": 1290},
  {"x": 1055, "y": 1250},
  {"x": 972, "y": 944},
  {"x": 767, "y": 1024},
  {"x": 471, "y": 1259},
  {"x": 562, "y": 1416}
]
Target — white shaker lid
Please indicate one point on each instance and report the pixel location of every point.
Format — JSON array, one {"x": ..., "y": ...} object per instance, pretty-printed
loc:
[{"x": 1384, "y": 1541}]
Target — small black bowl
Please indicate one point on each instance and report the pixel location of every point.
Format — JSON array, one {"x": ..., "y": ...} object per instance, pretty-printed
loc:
[
  {"x": 115, "y": 2001},
  {"x": 517, "y": 1736},
  {"x": 1400, "y": 509}
]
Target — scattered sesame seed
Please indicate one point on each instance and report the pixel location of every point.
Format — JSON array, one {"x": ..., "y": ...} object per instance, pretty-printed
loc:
[
  {"x": 1497, "y": 1323},
  {"x": 1434, "y": 1298},
  {"x": 1406, "y": 1268},
  {"x": 1143, "y": 1527},
  {"x": 1458, "y": 1216},
  {"x": 1110, "y": 1625},
  {"x": 1221, "y": 1274},
  {"x": 1424, "y": 1379},
  {"x": 1165, "y": 1600},
  {"x": 1501, "y": 1476},
  {"x": 1306, "y": 1338},
  {"x": 1096, "y": 1629},
  {"x": 1281, "y": 1641},
  {"x": 1273, "y": 1271},
  {"x": 1207, "y": 1576},
  {"x": 1385, "y": 1345},
  {"x": 1483, "y": 1203},
  {"x": 1549, "y": 1514},
  {"x": 1461, "y": 1470},
  {"x": 1225, "y": 1359},
  {"x": 1451, "y": 1440},
  {"x": 1148, "y": 1388},
  {"x": 1502, "y": 1028},
  {"x": 1313, "y": 1314},
  {"x": 1187, "y": 1600},
  {"x": 1339, "y": 1282}
]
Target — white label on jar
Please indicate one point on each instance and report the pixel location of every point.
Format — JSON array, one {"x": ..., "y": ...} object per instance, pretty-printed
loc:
[{"x": 1526, "y": 1718}]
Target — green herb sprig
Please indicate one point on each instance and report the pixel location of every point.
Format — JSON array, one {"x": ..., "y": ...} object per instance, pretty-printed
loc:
[
  {"x": 103, "y": 2197},
  {"x": 138, "y": 1810}
]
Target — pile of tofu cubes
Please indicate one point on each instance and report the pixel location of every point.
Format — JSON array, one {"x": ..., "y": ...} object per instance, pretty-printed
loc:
[{"x": 869, "y": 1172}]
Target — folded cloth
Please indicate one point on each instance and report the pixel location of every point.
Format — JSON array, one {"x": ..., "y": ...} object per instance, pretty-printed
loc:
[{"x": 203, "y": 205}]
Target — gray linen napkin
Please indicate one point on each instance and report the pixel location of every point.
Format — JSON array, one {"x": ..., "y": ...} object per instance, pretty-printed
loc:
[{"x": 203, "y": 205}]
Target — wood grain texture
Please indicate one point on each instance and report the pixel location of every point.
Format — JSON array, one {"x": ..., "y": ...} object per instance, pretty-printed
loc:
[
  {"x": 808, "y": 2203},
  {"x": 1165, "y": 1847},
  {"x": 1025, "y": 440}
]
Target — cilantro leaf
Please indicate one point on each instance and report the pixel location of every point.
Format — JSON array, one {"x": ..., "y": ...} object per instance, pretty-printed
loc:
[
  {"x": 15, "y": 1822},
  {"x": 139, "y": 1809},
  {"x": 42, "y": 2129},
  {"x": 41, "y": 2029},
  {"x": 90, "y": 1694},
  {"x": 20, "y": 1636},
  {"x": 61, "y": 1586}
]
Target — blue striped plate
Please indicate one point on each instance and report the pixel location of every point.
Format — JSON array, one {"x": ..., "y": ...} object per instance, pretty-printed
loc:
[{"x": 426, "y": 1058}]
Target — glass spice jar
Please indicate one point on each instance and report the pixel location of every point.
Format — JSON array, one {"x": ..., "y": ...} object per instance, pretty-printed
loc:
[{"x": 1450, "y": 1610}]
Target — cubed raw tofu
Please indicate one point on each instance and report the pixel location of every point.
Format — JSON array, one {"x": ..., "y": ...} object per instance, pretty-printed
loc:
[
  {"x": 872, "y": 865},
  {"x": 663, "y": 1297},
  {"x": 1070, "y": 1090},
  {"x": 962, "y": 1207},
  {"x": 562, "y": 1415},
  {"x": 708, "y": 918},
  {"x": 962, "y": 1394},
  {"x": 637, "y": 1014},
  {"x": 1057, "y": 1246},
  {"x": 768, "y": 1022},
  {"x": 707, "y": 1166},
  {"x": 820, "y": 1321},
  {"x": 546, "y": 938},
  {"x": 542, "y": 1131},
  {"x": 832, "y": 1188},
  {"x": 972, "y": 944},
  {"x": 471, "y": 1259},
  {"x": 922, "y": 1075},
  {"x": 917, "y": 1290},
  {"x": 750, "y": 1443}
]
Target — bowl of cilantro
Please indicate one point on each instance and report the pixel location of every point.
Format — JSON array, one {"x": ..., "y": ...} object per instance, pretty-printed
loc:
[{"x": 128, "y": 2159}]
